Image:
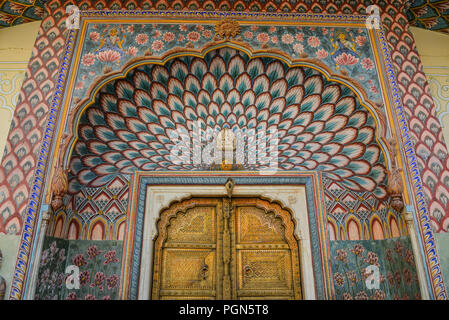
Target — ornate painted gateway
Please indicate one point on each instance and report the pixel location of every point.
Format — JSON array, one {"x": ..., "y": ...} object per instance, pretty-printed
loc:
[{"x": 225, "y": 155}]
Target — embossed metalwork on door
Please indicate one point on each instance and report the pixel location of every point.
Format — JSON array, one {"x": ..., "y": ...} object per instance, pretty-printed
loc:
[{"x": 226, "y": 248}]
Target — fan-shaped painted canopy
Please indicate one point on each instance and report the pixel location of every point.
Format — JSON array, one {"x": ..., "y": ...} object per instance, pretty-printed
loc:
[{"x": 321, "y": 124}]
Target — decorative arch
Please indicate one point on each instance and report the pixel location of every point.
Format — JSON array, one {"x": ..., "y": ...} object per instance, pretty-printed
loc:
[
  {"x": 353, "y": 228},
  {"x": 315, "y": 64},
  {"x": 74, "y": 229},
  {"x": 377, "y": 228},
  {"x": 349, "y": 148},
  {"x": 97, "y": 229},
  {"x": 60, "y": 219}
]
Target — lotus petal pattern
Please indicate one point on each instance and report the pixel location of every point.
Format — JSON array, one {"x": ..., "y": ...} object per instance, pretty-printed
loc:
[{"x": 321, "y": 124}]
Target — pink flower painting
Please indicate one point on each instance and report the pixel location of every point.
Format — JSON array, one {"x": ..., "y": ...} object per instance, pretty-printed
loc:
[
  {"x": 321, "y": 54},
  {"x": 94, "y": 36},
  {"x": 345, "y": 59},
  {"x": 287, "y": 38},
  {"x": 367, "y": 64},
  {"x": 108, "y": 56},
  {"x": 141, "y": 38},
  {"x": 313, "y": 42},
  {"x": 88, "y": 59},
  {"x": 157, "y": 45}
]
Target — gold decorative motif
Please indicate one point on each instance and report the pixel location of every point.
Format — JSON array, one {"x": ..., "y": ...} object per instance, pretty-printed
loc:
[
  {"x": 200, "y": 260},
  {"x": 59, "y": 187},
  {"x": 394, "y": 184},
  {"x": 226, "y": 29}
]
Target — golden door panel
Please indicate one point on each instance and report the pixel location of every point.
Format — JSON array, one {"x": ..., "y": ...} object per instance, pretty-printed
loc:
[
  {"x": 197, "y": 225},
  {"x": 215, "y": 248},
  {"x": 187, "y": 269},
  {"x": 186, "y": 251}
]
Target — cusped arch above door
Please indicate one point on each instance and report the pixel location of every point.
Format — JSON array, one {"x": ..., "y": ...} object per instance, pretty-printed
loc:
[{"x": 323, "y": 122}]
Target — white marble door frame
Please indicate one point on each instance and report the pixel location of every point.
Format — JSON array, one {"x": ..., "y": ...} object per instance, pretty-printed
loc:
[{"x": 160, "y": 197}]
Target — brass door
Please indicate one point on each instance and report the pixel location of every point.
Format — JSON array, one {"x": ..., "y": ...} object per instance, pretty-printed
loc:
[{"x": 226, "y": 248}]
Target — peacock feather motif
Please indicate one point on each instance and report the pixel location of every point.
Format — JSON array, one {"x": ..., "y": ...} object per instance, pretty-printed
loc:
[{"x": 321, "y": 124}]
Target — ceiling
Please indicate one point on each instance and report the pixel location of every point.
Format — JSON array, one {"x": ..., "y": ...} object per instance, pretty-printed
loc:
[
  {"x": 15, "y": 12},
  {"x": 427, "y": 14}
]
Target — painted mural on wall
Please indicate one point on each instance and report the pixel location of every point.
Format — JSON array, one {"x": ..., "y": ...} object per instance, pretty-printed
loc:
[
  {"x": 99, "y": 263},
  {"x": 398, "y": 279},
  {"x": 107, "y": 47}
]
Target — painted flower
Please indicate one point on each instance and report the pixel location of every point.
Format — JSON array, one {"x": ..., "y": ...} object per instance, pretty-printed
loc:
[
  {"x": 110, "y": 257},
  {"x": 287, "y": 38},
  {"x": 374, "y": 89},
  {"x": 92, "y": 252},
  {"x": 298, "y": 48},
  {"x": 299, "y": 37},
  {"x": 108, "y": 56},
  {"x": 324, "y": 31},
  {"x": 193, "y": 36},
  {"x": 89, "y": 297},
  {"x": 398, "y": 247},
  {"x": 321, "y": 54},
  {"x": 130, "y": 29},
  {"x": 157, "y": 34},
  {"x": 405, "y": 297},
  {"x": 274, "y": 39},
  {"x": 254, "y": 28},
  {"x": 79, "y": 260},
  {"x": 313, "y": 42},
  {"x": 71, "y": 296},
  {"x": 397, "y": 277},
  {"x": 181, "y": 38},
  {"x": 389, "y": 254},
  {"x": 157, "y": 45},
  {"x": 84, "y": 277},
  {"x": 91, "y": 73},
  {"x": 347, "y": 296},
  {"x": 372, "y": 258},
  {"x": 339, "y": 279},
  {"x": 98, "y": 280},
  {"x": 199, "y": 28},
  {"x": 378, "y": 295},
  {"x": 352, "y": 276},
  {"x": 390, "y": 279},
  {"x": 61, "y": 281},
  {"x": 407, "y": 276},
  {"x": 53, "y": 248},
  {"x": 168, "y": 36},
  {"x": 358, "y": 250},
  {"x": 141, "y": 38},
  {"x": 360, "y": 40},
  {"x": 248, "y": 35},
  {"x": 183, "y": 27},
  {"x": 79, "y": 85},
  {"x": 408, "y": 256},
  {"x": 45, "y": 257},
  {"x": 272, "y": 29},
  {"x": 345, "y": 59},
  {"x": 94, "y": 36},
  {"x": 45, "y": 275},
  {"x": 207, "y": 34},
  {"x": 106, "y": 298},
  {"x": 342, "y": 255},
  {"x": 112, "y": 281},
  {"x": 367, "y": 64},
  {"x": 263, "y": 37},
  {"x": 132, "y": 51},
  {"x": 361, "y": 296}
]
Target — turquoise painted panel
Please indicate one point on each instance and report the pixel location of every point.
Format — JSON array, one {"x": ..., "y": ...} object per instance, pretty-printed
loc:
[
  {"x": 398, "y": 279},
  {"x": 99, "y": 264}
]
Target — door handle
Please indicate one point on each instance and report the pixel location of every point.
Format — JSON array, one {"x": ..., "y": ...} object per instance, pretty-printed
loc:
[{"x": 204, "y": 272}]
